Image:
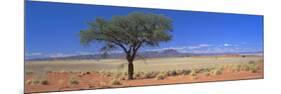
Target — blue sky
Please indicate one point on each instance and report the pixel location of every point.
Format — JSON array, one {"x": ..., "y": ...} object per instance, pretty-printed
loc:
[{"x": 51, "y": 29}]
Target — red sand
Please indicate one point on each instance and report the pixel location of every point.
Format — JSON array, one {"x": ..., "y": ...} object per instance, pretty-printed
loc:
[{"x": 60, "y": 81}]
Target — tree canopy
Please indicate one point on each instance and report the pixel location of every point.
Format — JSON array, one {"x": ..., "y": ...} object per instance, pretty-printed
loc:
[{"x": 128, "y": 32}]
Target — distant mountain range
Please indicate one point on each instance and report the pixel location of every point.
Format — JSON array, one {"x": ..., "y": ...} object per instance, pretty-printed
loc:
[{"x": 146, "y": 54}]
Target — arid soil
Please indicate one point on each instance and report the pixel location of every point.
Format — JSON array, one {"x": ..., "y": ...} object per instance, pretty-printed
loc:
[{"x": 62, "y": 81}]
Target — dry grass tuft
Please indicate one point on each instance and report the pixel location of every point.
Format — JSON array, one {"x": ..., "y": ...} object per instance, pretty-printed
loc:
[
  {"x": 73, "y": 81},
  {"x": 161, "y": 76},
  {"x": 217, "y": 72},
  {"x": 116, "y": 82},
  {"x": 193, "y": 73}
]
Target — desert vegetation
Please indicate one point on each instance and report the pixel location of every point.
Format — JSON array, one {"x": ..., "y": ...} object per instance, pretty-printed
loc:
[{"x": 190, "y": 69}]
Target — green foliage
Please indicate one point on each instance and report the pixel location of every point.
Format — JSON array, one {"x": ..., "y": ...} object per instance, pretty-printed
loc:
[
  {"x": 134, "y": 30},
  {"x": 128, "y": 33}
]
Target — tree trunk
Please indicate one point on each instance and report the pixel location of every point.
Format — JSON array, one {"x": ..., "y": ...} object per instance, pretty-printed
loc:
[{"x": 130, "y": 69}]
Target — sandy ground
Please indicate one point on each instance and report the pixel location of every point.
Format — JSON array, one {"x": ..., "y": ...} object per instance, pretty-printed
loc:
[{"x": 60, "y": 81}]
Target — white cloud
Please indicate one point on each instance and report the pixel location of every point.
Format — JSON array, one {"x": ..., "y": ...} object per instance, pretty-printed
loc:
[
  {"x": 60, "y": 55},
  {"x": 198, "y": 46},
  {"x": 162, "y": 49},
  {"x": 33, "y": 54},
  {"x": 226, "y": 44},
  {"x": 85, "y": 53},
  {"x": 204, "y": 45}
]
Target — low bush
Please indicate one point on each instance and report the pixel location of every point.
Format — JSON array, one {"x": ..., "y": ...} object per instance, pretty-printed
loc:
[
  {"x": 138, "y": 75},
  {"x": 217, "y": 72},
  {"x": 35, "y": 81},
  {"x": 123, "y": 77},
  {"x": 251, "y": 62},
  {"x": 73, "y": 81},
  {"x": 160, "y": 76},
  {"x": 179, "y": 72},
  {"x": 207, "y": 74},
  {"x": 28, "y": 73},
  {"x": 150, "y": 75},
  {"x": 193, "y": 73},
  {"x": 172, "y": 73},
  {"x": 88, "y": 72},
  {"x": 186, "y": 72},
  {"x": 29, "y": 82},
  {"x": 116, "y": 82},
  {"x": 45, "y": 82},
  {"x": 254, "y": 68},
  {"x": 32, "y": 81},
  {"x": 237, "y": 68}
]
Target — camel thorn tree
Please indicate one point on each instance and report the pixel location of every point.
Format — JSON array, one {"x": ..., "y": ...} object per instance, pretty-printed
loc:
[{"x": 129, "y": 33}]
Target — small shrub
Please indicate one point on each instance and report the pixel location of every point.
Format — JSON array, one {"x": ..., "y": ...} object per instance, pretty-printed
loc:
[
  {"x": 88, "y": 73},
  {"x": 28, "y": 73},
  {"x": 29, "y": 82},
  {"x": 73, "y": 81},
  {"x": 186, "y": 72},
  {"x": 172, "y": 73},
  {"x": 116, "y": 82},
  {"x": 123, "y": 77},
  {"x": 49, "y": 71},
  {"x": 45, "y": 82},
  {"x": 251, "y": 62},
  {"x": 237, "y": 68},
  {"x": 202, "y": 70},
  {"x": 245, "y": 67},
  {"x": 137, "y": 75},
  {"x": 254, "y": 68},
  {"x": 106, "y": 74},
  {"x": 160, "y": 76},
  {"x": 193, "y": 73},
  {"x": 165, "y": 74},
  {"x": 254, "y": 71},
  {"x": 217, "y": 72},
  {"x": 32, "y": 81},
  {"x": 179, "y": 72},
  {"x": 35, "y": 81},
  {"x": 150, "y": 75},
  {"x": 207, "y": 73}
]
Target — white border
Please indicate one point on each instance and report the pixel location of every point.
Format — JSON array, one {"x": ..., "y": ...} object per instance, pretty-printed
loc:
[
  {"x": 11, "y": 49},
  {"x": 225, "y": 6}
]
